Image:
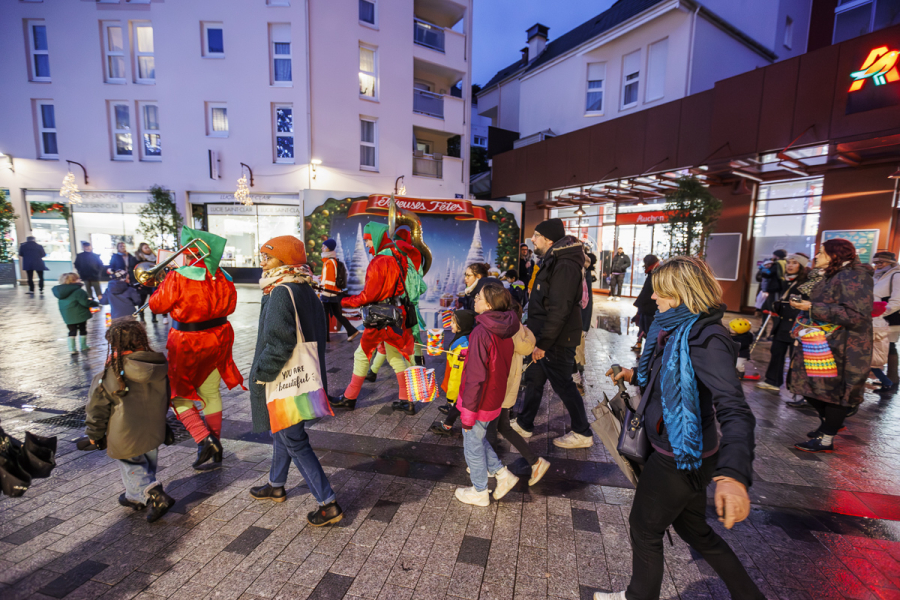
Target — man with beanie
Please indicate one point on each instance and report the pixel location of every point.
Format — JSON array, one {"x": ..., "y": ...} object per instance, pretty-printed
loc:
[
  {"x": 645, "y": 304},
  {"x": 887, "y": 289},
  {"x": 617, "y": 269},
  {"x": 554, "y": 316},
  {"x": 90, "y": 267},
  {"x": 285, "y": 285},
  {"x": 331, "y": 296}
]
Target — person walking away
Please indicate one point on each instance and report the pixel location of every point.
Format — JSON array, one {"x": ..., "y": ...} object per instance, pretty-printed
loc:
[
  {"x": 796, "y": 277},
  {"x": 286, "y": 275},
  {"x": 645, "y": 304},
  {"x": 89, "y": 266},
  {"x": 122, "y": 260},
  {"x": 483, "y": 390},
  {"x": 840, "y": 306},
  {"x": 461, "y": 324},
  {"x": 772, "y": 281},
  {"x": 554, "y": 316},
  {"x": 617, "y": 270},
  {"x": 740, "y": 333},
  {"x": 32, "y": 256},
  {"x": 144, "y": 254},
  {"x": 334, "y": 282},
  {"x": 887, "y": 288},
  {"x": 880, "y": 332},
  {"x": 126, "y": 413},
  {"x": 75, "y": 308},
  {"x": 689, "y": 386},
  {"x": 121, "y": 298}
]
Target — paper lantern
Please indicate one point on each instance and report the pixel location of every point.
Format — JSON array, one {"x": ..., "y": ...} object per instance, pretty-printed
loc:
[
  {"x": 435, "y": 342},
  {"x": 420, "y": 384},
  {"x": 446, "y": 317}
]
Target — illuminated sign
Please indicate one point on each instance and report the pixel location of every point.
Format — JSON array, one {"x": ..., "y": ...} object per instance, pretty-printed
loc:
[
  {"x": 876, "y": 68},
  {"x": 880, "y": 66}
]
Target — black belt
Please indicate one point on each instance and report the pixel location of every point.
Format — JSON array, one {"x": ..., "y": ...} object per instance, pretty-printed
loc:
[{"x": 202, "y": 325}]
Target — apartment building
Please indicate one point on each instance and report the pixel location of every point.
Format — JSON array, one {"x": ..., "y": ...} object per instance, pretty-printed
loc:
[
  {"x": 636, "y": 55},
  {"x": 308, "y": 99}
]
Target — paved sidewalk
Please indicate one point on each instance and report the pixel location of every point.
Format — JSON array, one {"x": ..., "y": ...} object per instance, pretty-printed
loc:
[{"x": 822, "y": 526}]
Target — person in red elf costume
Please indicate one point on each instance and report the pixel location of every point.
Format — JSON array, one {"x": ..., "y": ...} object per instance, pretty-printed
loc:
[
  {"x": 199, "y": 298},
  {"x": 385, "y": 279}
]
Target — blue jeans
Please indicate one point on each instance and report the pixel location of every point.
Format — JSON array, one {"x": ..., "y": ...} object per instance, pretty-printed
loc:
[
  {"x": 293, "y": 443},
  {"x": 139, "y": 475},
  {"x": 480, "y": 457}
]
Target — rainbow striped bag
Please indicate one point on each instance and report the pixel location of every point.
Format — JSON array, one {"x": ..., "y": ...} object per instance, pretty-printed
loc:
[
  {"x": 817, "y": 357},
  {"x": 420, "y": 384},
  {"x": 297, "y": 393}
]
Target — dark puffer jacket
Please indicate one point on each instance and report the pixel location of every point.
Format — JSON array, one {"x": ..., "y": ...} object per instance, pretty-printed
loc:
[
  {"x": 554, "y": 308},
  {"x": 74, "y": 305},
  {"x": 620, "y": 263}
]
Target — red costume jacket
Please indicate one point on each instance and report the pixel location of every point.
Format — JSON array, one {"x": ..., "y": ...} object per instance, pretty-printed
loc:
[{"x": 193, "y": 355}]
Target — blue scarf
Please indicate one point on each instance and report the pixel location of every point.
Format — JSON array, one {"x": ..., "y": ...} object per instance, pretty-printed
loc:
[{"x": 680, "y": 399}]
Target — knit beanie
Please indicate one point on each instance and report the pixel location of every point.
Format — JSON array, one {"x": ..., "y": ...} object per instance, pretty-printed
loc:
[
  {"x": 330, "y": 244},
  {"x": 781, "y": 254},
  {"x": 800, "y": 258},
  {"x": 886, "y": 256},
  {"x": 650, "y": 259},
  {"x": 286, "y": 248},
  {"x": 552, "y": 229}
]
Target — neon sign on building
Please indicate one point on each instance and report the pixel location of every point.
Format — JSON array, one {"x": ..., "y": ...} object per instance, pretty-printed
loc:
[{"x": 880, "y": 66}]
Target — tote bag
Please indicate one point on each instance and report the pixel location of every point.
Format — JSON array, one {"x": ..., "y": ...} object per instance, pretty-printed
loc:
[{"x": 297, "y": 393}]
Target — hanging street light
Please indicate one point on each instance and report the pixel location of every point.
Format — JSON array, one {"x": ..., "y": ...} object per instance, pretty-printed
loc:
[
  {"x": 69, "y": 188},
  {"x": 242, "y": 193}
]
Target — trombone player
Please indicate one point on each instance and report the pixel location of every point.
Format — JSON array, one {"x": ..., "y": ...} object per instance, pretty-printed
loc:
[{"x": 199, "y": 298}]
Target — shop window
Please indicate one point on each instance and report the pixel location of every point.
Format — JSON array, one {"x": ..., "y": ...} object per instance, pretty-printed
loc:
[
  {"x": 631, "y": 78},
  {"x": 213, "y": 40},
  {"x": 284, "y": 133},
  {"x": 51, "y": 230},
  {"x": 246, "y": 227},
  {"x": 113, "y": 52},
  {"x": 368, "y": 144},
  {"x": 596, "y": 75},
  {"x": 216, "y": 119},
  {"x": 120, "y": 125},
  {"x": 368, "y": 76},
  {"x": 150, "y": 135},
  {"x": 45, "y": 116},
  {"x": 144, "y": 58},
  {"x": 657, "y": 55},
  {"x": 38, "y": 51},
  {"x": 280, "y": 47},
  {"x": 367, "y": 12}
]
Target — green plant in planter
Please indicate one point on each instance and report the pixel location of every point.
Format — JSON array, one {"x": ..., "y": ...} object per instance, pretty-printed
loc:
[
  {"x": 692, "y": 211},
  {"x": 160, "y": 219},
  {"x": 7, "y": 218}
]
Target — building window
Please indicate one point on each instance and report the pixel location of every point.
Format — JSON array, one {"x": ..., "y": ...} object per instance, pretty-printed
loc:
[
  {"x": 368, "y": 77},
  {"x": 367, "y": 12},
  {"x": 120, "y": 124},
  {"x": 368, "y": 144},
  {"x": 150, "y": 136},
  {"x": 143, "y": 53},
  {"x": 596, "y": 75},
  {"x": 284, "y": 133},
  {"x": 480, "y": 141},
  {"x": 278, "y": 2},
  {"x": 280, "y": 46},
  {"x": 39, "y": 52},
  {"x": 213, "y": 40},
  {"x": 788, "y": 32},
  {"x": 631, "y": 78},
  {"x": 657, "y": 55},
  {"x": 216, "y": 120},
  {"x": 45, "y": 115},
  {"x": 113, "y": 52}
]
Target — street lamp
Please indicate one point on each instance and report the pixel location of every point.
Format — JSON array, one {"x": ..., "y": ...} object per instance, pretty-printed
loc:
[
  {"x": 69, "y": 188},
  {"x": 314, "y": 162},
  {"x": 399, "y": 187},
  {"x": 242, "y": 193}
]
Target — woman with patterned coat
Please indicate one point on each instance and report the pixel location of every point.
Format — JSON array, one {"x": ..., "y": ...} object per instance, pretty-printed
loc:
[{"x": 843, "y": 298}]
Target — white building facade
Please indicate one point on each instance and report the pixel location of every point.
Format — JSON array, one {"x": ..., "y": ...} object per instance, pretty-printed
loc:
[{"x": 313, "y": 96}]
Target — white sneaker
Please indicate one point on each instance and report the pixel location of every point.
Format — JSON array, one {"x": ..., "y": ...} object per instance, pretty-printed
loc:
[
  {"x": 468, "y": 495},
  {"x": 519, "y": 430},
  {"x": 538, "y": 470},
  {"x": 505, "y": 482},
  {"x": 768, "y": 387},
  {"x": 573, "y": 440},
  {"x": 609, "y": 595}
]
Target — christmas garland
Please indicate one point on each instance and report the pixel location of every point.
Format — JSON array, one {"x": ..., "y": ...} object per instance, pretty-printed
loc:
[
  {"x": 507, "y": 238},
  {"x": 50, "y": 207}
]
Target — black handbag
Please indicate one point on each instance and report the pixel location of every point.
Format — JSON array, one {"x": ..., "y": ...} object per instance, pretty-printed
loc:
[
  {"x": 391, "y": 312},
  {"x": 633, "y": 441},
  {"x": 893, "y": 318}
]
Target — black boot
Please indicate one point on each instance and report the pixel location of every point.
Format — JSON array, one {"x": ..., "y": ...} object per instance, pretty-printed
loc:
[
  {"x": 129, "y": 504},
  {"x": 404, "y": 406},
  {"x": 160, "y": 503},
  {"x": 267, "y": 492},
  {"x": 371, "y": 375},
  {"x": 153, "y": 317},
  {"x": 342, "y": 402},
  {"x": 207, "y": 449},
  {"x": 325, "y": 515},
  {"x": 141, "y": 315}
]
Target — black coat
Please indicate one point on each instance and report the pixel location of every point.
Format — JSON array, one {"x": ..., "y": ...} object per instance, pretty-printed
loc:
[
  {"x": 554, "y": 308},
  {"x": 645, "y": 303},
  {"x": 123, "y": 263},
  {"x": 467, "y": 301},
  {"x": 786, "y": 313},
  {"x": 526, "y": 268},
  {"x": 32, "y": 255},
  {"x": 620, "y": 263},
  {"x": 89, "y": 266},
  {"x": 713, "y": 355}
]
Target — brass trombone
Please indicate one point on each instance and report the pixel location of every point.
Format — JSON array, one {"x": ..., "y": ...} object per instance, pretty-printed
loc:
[{"x": 152, "y": 275}]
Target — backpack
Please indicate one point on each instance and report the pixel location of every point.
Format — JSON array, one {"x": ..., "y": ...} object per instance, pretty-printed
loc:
[{"x": 340, "y": 278}]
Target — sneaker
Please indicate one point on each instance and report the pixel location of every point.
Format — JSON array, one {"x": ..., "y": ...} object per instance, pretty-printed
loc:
[
  {"x": 468, "y": 495},
  {"x": 853, "y": 410},
  {"x": 519, "y": 430},
  {"x": 609, "y": 595},
  {"x": 267, "y": 492},
  {"x": 438, "y": 428},
  {"x": 445, "y": 409},
  {"x": 160, "y": 503},
  {"x": 538, "y": 470},
  {"x": 801, "y": 403},
  {"x": 768, "y": 387},
  {"x": 505, "y": 482},
  {"x": 325, "y": 515},
  {"x": 574, "y": 440},
  {"x": 129, "y": 504},
  {"x": 814, "y": 445},
  {"x": 814, "y": 434}
]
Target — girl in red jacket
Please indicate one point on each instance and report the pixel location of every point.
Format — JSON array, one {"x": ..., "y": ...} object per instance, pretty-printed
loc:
[{"x": 483, "y": 389}]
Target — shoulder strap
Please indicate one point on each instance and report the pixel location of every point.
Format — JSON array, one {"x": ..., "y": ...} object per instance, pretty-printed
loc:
[
  {"x": 891, "y": 285},
  {"x": 290, "y": 292}
]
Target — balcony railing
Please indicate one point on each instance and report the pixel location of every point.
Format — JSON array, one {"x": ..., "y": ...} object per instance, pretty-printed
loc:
[
  {"x": 428, "y": 103},
  {"x": 429, "y": 35},
  {"x": 428, "y": 166}
]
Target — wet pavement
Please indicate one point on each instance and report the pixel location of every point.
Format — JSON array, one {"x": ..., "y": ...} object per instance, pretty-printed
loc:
[{"x": 822, "y": 526}]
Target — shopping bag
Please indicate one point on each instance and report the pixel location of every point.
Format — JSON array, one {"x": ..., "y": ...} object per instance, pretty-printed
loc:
[
  {"x": 297, "y": 394},
  {"x": 761, "y": 300},
  {"x": 435, "y": 344},
  {"x": 420, "y": 384}
]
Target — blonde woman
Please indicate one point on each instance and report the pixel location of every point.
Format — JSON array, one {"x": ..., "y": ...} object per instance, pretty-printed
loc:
[{"x": 688, "y": 382}]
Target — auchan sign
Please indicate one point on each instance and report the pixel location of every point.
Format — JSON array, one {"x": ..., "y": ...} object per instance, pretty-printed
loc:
[
  {"x": 642, "y": 218},
  {"x": 880, "y": 68}
]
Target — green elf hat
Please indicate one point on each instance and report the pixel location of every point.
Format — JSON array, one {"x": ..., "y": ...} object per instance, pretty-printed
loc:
[
  {"x": 378, "y": 233},
  {"x": 211, "y": 262}
]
